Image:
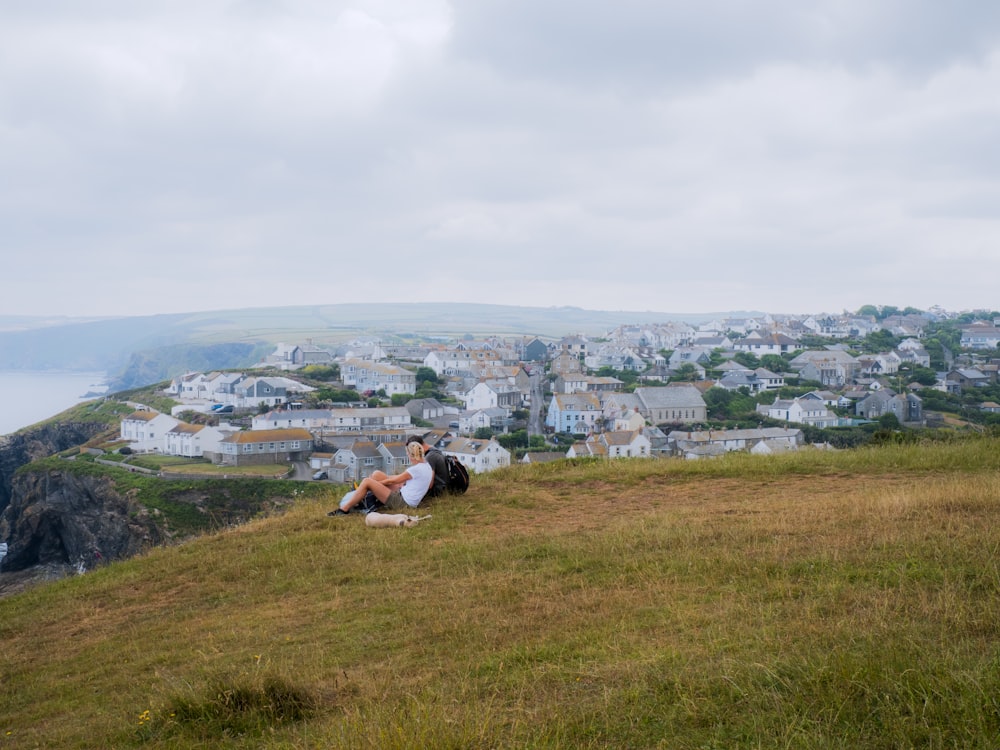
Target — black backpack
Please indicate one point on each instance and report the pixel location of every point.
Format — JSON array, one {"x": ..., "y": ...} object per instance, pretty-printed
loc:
[{"x": 458, "y": 475}]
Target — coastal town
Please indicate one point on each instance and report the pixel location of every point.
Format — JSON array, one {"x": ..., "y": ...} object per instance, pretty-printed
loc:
[{"x": 658, "y": 390}]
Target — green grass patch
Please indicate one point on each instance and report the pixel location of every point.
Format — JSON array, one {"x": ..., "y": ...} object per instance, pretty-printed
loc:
[{"x": 828, "y": 600}]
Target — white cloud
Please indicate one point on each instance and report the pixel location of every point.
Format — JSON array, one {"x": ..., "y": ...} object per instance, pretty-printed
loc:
[{"x": 634, "y": 156}]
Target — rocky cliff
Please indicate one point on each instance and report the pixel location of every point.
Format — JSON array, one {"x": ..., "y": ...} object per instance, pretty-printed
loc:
[
  {"x": 60, "y": 518},
  {"x": 22, "y": 448}
]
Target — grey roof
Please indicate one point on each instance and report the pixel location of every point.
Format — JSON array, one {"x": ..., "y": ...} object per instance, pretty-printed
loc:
[{"x": 670, "y": 396}]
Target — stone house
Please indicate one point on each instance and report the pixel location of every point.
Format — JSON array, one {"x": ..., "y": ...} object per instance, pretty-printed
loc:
[
  {"x": 565, "y": 363},
  {"x": 359, "y": 459},
  {"x": 427, "y": 409},
  {"x": 255, "y": 447},
  {"x": 677, "y": 402},
  {"x": 908, "y": 408}
]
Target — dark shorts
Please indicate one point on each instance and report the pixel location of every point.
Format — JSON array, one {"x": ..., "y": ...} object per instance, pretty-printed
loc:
[{"x": 395, "y": 501}]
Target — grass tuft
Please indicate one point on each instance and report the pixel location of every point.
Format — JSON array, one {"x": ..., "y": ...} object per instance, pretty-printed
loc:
[
  {"x": 254, "y": 703},
  {"x": 245, "y": 706}
]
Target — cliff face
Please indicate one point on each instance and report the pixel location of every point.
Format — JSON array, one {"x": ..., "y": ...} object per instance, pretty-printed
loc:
[
  {"x": 59, "y": 518},
  {"x": 24, "y": 447}
]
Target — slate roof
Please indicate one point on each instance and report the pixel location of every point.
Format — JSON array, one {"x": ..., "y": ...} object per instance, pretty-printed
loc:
[
  {"x": 670, "y": 396},
  {"x": 268, "y": 436}
]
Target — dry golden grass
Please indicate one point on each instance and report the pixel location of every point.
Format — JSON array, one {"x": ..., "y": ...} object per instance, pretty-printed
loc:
[{"x": 822, "y": 601}]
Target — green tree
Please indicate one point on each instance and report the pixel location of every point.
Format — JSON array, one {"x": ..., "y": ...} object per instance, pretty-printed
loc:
[
  {"x": 940, "y": 336},
  {"x": 718, "y": 400},
  {"x": 879, "y": 341},
  {"x": 747, "y": 360},
  {"x": 889, "y": 421},
  {"x": 335, "y": 395},
  {"x": 483, "y": 433},
  {"x": 686, "y": 373},
  {"x": 513, "y": 440},
  {"x": 918, "y": 374},
  {"x": 323, "y": 373},
  {"x": 774, "y": 363},
  {"x": 426, "y": 375}
]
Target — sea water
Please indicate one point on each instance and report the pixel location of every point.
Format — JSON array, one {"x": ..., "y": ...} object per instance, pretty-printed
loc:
[{"x": 28, "y": 397}]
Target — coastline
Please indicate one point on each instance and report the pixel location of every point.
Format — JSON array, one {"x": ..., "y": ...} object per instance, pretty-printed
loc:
[{"x": 37, "y": 395}]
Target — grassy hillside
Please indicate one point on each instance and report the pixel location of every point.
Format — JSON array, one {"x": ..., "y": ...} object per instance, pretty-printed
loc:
[{"x": 815, "y": 600}]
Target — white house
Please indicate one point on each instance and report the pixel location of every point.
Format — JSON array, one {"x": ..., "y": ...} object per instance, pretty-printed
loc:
[
  {"x": 307, "y": 419},
  {"x": 615, "y": 357},
  {"x": 380, "y": 418},
  {"x": 570, "y": 382},
  {"x": 145, "y": 430},
  {"x": 830, "y": 367},
  {"x": 456, "y": 361},
  {"x": 478, "y": 456},
  {"x": 624, "y": 443},
  {"x": 494, "y": 419},
  {"x": 808, "y": 411},
  {"x": 759, "y": 344},
  {"x": 492, "y": 394},
  {"x": 195, "y": 440},
  {"x": 367, "y": 375},
  {"x": 574, "y": 412},
  {"x": 705, "y": 443},
  {"x": 980, "y": 335},
  {"x": 628, "y": 420}
]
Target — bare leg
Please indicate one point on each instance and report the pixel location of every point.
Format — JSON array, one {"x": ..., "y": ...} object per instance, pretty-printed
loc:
[{"x": 368, "y": 484}]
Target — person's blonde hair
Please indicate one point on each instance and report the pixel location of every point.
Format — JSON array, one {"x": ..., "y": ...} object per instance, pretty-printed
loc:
[{"x": 415, "y": 451}]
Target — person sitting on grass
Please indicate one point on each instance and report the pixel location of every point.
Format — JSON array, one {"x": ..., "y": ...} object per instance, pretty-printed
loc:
[
  {"x": 397, "y": 492},
  {"x": 436, "y": 459}
]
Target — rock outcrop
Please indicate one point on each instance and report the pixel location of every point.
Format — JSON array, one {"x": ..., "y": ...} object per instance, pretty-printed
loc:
[
  {"x": 29, "y": 445},
  {"x": 65, "y": 518}
]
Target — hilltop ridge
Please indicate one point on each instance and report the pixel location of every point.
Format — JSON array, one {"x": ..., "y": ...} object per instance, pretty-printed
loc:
[{"x": 107, "y": 343}]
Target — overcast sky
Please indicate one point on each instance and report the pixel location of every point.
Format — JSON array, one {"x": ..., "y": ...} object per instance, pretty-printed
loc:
[{"x": 778, "y": 155}]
